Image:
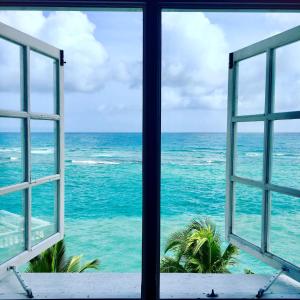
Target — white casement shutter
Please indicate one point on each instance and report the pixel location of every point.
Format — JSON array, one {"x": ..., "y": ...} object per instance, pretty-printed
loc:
[
  {"x": 260, "y": 190},
  {"x": 32, "y": 206}
]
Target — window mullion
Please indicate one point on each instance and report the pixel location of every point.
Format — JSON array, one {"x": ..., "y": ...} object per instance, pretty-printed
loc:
[
  {"x": 151, "y": 151},
  {"x": 268, "y": 137},
  {"x": 59, "y": 110},
  {"x": 25, "y": 80},
  {"x": 231, "y": 144}
]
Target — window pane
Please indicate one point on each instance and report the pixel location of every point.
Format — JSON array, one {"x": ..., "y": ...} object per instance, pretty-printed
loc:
[
  {"x": 42, "y": 83},
  {"x": 11, "y": 165},
  {"x": 12, "y": 240},
  {"x": 285, "y": 227},
  {"x": 104, "y": 151},
  {"x": 248, "y": 208},
  {"x": 251, "y": 85},
  {"x": 286, "y": 149},
  {"x": 250, "y": 145},
  {"x": 43, "y": 148},
  {"x": 44, "y": 217},
  {"x": 105, "y": 198},
  {"x": 287, "y": 80},
  {"x": 10, "y": 75}
]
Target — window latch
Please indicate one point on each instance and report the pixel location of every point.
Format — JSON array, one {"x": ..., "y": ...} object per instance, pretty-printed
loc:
[
  {"x": 62, "y": 58},
  {"x": 26, "y": 288},
  {"x": 231, "y": 60}
]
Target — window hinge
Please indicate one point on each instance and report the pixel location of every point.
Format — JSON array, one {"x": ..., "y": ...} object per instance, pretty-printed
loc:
[
  {"x": 231, "y": 60},
  {"x": 272, "y": 280},
  {"x": 26, "y": 288},
  {"x": 62, "y": 58}
]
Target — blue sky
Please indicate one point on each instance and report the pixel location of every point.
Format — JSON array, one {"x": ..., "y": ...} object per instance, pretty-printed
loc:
[{"x": 103, "y": 74}]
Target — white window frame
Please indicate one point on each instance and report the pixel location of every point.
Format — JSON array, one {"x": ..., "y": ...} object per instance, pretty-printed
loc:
[
  {"x": 27, "y": 44},
  {"x": 267, "y": 46}
]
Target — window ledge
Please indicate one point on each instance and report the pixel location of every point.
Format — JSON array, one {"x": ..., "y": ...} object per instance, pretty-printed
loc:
[{"x": 127, "y": 285}]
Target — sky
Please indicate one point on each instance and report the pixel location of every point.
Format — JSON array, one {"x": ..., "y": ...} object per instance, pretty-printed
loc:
[{"x": 103, "y": 73}]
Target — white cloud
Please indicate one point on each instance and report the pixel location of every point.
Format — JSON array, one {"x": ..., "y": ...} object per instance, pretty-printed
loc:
[
  {"x": 88, "y": 66},
  {"x": 283, "y": 21},
  {"x": 128, "y": 72},
  {"x": 172, "y": 99},
  {"x": 9, "y": 70},
  {"x": 194, "y": 63},
  {"x": 195, "y": 55},
  {"x": 194, "y": 59},
  {"x": 287, "y": 82}
]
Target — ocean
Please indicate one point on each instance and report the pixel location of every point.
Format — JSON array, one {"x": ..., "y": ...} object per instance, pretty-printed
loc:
[{"x": 103, "y": 192}]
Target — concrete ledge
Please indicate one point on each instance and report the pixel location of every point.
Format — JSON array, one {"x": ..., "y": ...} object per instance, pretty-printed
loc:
[{"x": 127, "y": 285}]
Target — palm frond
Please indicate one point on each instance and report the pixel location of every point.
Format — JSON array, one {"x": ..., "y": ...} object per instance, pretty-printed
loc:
[
  {"x": 229, "y": 254},
  {"x": 53, "y": 260},
  {"x": 93, "y": 264},
  {"x": 73, "y": 264},
  {"x": 194, "y": 265},
  {"x": 198, "y": 249},
  {"x": 171, "y": 265},
  {"x": 175, "y": 240}
]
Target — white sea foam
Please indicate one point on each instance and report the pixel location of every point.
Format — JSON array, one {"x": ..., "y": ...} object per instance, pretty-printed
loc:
[
  {"x": 93, "y": 162},
  {"x": 3, "y": 150},
  {"x": 214, "y": 160},
  {"x": 42, "y": 151},
  {"x": 204, "y": 163},
  {"x": 104, "y": 155},
  {"x": 8, "y": 158},
  {"x": 253, "y": 154},
  {"x": 279, "y": 154}
]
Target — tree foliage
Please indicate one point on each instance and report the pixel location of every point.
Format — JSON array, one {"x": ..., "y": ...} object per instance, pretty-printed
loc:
[
  {"x": 197, "y": 249},
  {"x": 54, "y": 260}
]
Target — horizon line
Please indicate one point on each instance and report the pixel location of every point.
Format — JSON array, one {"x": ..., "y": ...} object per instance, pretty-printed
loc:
[{"x": 140, "y": 132}]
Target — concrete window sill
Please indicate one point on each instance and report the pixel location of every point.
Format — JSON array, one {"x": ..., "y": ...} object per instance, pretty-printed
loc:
[{"x": 127, "y": 285}]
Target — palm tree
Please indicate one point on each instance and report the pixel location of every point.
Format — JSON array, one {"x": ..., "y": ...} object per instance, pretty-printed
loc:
[
  {"x": 53, "y": 260},
  {"x": 197, "y": 249}
]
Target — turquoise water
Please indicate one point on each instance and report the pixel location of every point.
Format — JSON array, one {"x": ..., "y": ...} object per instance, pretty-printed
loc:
[{"x": 103, "y": 191}]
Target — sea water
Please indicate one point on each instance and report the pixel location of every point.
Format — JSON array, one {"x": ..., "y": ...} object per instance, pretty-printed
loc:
[{"x": 103, "y": 191}]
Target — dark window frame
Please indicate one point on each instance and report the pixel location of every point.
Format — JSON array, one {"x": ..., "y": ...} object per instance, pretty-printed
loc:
[{"x": 152, "y": 100}]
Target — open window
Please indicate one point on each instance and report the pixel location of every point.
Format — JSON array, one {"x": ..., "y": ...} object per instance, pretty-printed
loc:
[
  {"x": 257, "y": 174},
  {"x": 36, "y": 160},
  {"x": 32, "y": 150}
]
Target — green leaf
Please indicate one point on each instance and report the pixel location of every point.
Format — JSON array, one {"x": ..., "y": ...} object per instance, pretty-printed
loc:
[
  {"x": 93, "y": 264},
  {"x": 53, "y": 260}
]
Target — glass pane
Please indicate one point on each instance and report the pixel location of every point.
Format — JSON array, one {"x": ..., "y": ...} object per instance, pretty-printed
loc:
[
  {"x": 104, "y": 147},
  {"x": 285, "y": 227},
  {"x": 250, "y": 146},
  {"x": 251, "y": 85},
  {"x": 287, "y": 80},
  {"x": 247, "y": 218},
  {"x": 42, "y": 83},
  {"x": 43, "y": 148},
  {"x": 11, "y": 165},
  {"x": 10, "y": 76},
  {"x": 44, "y": 217},
  {"x": 286, "y": 149},
  {"x": 12, "y": 225}
]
